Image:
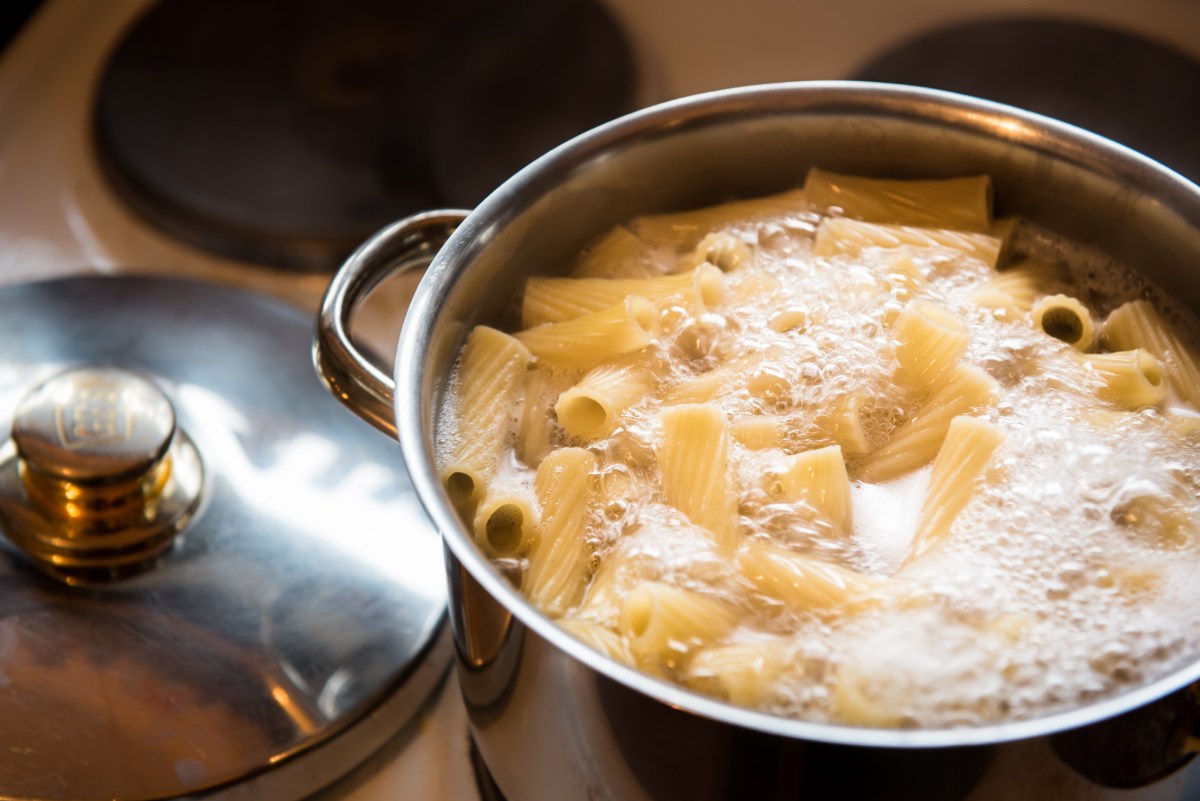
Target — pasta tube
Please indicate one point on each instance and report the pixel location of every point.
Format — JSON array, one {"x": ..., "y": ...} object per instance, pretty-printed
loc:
[
  {"x": 618, "y": 573},
  {"x": 491, "y": 379},
  {"x": 1001, "y": 305},
  {"x": 619, "y": 252},
  {"x": 966, "y": 451},
  {"x": 802, "y": 581},
  {"x": 662, "y": 623},
  {"x": 599, "y": 638},
  {"x": 965, "y": 389},
  {"x": 742, "y": 672},
  {"x": 693, "y": 456},
  {"x": 1021, "y": 284},
  {"x": 534, "y": 434},
  {"x": 757, "y": 433},
  {"x": 558, "y": 560},
  {"x": 769, "y": 383},
  {"x": 1183, "y": 422},
  {"x": 1012, "y": 292},
  {"x": 721, "y": 249},
  {"x": 839, "y": 236},
  {"x": 1064, "y": 317},
  {"x": 929, "y": 340},
  {"x": 964, "y": 204},
  {"x": 818, "y": 477},
  {"x": 793, "y": 319},
  {"x": 683, "y": 230},
  {"x": 592, "y": 408},
  {"x": 555, "y": 299},
  {"x": 585, "y": 341},
  {"x": 702, "y": 388},
  {"x": 846, "y": 425},
  {"x": 504, "y": 523},
  {"x": 1138, "y": 325},
  {"x": 759, "y": 374},
  {"x": 1133, "y": 379}
]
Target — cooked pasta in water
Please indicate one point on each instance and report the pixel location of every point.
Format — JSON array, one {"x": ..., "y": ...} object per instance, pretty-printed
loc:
[{"x": 858, "y": 452}]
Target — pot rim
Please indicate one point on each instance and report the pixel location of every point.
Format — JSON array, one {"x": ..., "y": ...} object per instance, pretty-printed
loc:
[{"x": 1021, "y": 128}]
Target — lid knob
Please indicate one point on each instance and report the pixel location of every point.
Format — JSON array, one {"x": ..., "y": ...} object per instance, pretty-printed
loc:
[
  {"x": 97, "y": 480},
  {"x": 94, "y": 424}
]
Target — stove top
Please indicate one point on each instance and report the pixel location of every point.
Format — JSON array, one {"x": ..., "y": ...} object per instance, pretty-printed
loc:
[
  {"x": 288, "y": 132},
  {"x": 64, "y": 209},
  {"x": 1136, "y": 90}
]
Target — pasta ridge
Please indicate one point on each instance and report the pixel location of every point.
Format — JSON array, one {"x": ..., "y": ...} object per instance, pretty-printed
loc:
[{"x": 966, "y": 389}]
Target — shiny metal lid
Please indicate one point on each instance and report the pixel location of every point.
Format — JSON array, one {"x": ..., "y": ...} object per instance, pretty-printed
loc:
[{"x": 212, "y": 579}]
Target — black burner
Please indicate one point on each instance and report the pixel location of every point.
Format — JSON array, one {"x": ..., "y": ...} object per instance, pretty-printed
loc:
[
  {"x": 287, "y": 131},
  {"x": 488, "y": 791},
  {"x": 1136, "y": 91}
]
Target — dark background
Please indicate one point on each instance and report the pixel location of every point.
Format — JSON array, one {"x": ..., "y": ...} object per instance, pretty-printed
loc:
[{"x": 13, "y": 15}]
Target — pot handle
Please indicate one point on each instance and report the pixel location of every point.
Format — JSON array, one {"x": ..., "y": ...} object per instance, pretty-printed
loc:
[{"x": 353, "y": 378}]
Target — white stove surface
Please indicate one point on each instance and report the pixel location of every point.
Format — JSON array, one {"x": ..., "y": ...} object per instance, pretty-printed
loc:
[{"x": 58, "y": 217}]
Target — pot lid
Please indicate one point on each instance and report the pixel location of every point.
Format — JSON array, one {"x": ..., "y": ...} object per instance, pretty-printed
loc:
[{"x": 212, "y": 579}]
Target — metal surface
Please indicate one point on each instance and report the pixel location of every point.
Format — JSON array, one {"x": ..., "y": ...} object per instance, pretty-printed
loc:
[
  {"x": 297, "y": 623},
  {"x": 554, "y": 719},
  {"x": 350, "y": 374}
]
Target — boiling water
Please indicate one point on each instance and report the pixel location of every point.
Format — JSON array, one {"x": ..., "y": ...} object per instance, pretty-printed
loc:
[{"x": 1071, "y": 573}]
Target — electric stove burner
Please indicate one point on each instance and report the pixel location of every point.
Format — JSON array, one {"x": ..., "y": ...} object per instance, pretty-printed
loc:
[
  {"x": 1134, "y": 90},
  {"x": 488, "y": 791},
  {"x": 285, "y": 132}
]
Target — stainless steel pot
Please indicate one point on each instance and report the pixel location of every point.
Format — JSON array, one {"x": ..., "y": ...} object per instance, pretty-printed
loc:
[{"x": 552, "y": 719}]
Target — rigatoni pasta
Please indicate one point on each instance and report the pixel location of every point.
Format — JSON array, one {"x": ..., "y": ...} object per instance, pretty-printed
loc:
[
  {"x": 536, "y": 429},
  {"x": 491, "y": 378},
  {"x": 1021, "y": 284},
  {"x": 587, "y": 340},
  {"x": 802, "y": 581},
  {"x": 839, "y": 236},
  {"x": 818, "y": 477},
  {"x": 965, "y": 452},
  {"x": 758, "y": 432},
  {"x": 592, "y": 408},
  {"x": 1137, "y": 324},
  {"x": 847, "y": 424},
  {"x": 853, "y": 453},
  {"x": 683, "y": 231},
  {"x": 662, "y": 623},
  {"x": 553, "y": 300},
  {"x": 1064, "y": 317},
  {"x": 929, "y": 340},
  {"x": 1132, "y": 379},
  {"x": 964, "y": 389},
  {"x": 504, "y": 522},
  {"x": 600, "y": 638},
  {"x": 558, "y": 561},
  {"x": 742, "y": 672},
  {"x": 617, "y": 253},
  {"x": 963, "y": 204},
  {"x": 693, "y": 457}
]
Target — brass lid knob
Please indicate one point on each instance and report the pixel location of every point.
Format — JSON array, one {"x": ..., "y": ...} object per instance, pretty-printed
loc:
[
  {"x": 94, "y": 424},
  {"x": 97, "y": 480}
]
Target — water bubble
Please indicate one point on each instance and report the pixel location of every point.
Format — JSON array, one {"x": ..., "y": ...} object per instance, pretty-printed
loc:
[{"x": 699, "y": 337}]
